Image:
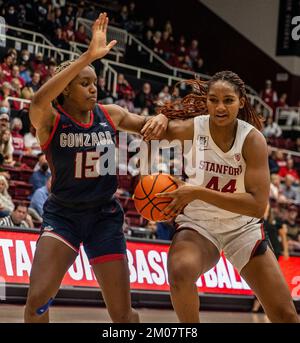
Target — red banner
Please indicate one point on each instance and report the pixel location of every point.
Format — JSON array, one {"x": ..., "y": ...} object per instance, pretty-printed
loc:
[{"x": 147, "y": 264}]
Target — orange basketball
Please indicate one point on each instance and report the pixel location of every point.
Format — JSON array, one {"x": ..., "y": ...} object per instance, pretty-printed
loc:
[{"x": 146, "y": 203}]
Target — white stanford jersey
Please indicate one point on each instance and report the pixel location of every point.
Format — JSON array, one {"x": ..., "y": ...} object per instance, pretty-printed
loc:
[{"x": 215, "y": 169}]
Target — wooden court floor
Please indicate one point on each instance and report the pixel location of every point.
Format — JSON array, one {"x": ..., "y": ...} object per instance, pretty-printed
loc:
[{"x": 75, "y": 314}]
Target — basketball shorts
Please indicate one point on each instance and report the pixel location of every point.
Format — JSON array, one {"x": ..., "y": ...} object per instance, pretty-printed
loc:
[
  {"x": 238, "y": 237},
  {"x": 99, "y": 229}
]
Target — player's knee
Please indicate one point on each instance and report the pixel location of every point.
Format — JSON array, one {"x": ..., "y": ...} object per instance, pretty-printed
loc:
[
  {"x": 183, "y": 270},
  {"x": 37, "y": 303}
]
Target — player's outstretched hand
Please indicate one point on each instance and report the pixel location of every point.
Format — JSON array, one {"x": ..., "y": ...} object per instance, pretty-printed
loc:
[
  {"x": 155, "y": 128},
  {"x": 98, "y": 46}
]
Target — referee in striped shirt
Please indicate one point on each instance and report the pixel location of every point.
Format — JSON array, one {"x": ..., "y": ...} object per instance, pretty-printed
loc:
[{"x": 16, "y": 218}]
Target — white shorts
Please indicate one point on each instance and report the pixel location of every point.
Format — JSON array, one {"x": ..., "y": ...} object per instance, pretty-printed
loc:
[{"x": 238, "y": 237}]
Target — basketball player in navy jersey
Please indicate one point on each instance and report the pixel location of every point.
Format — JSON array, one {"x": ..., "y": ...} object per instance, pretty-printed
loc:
[
  {"x": 221, "y": 206},
  {"x": 81, "y": 207}
]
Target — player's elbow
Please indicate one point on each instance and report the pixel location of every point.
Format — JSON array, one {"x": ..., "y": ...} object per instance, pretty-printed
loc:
[{"x": 259, "y": 210}]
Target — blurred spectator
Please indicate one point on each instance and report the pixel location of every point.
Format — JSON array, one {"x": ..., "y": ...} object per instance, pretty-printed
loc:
[
  {"x": 50, "y": 25},
  {"x": 280, "y": 159},
  {"x": 5, "y": 90},
  {"x": 198, "y": 66},
  {"x": 271, "y": 129},
  {"x": 50, "y": 69},
  {"x": 4, "y": 109},
  {"x": 164, "y": 96},
  {"x": 69, "y": 14},
  {"x": 288, "y": 190},
  {"x": 91, "y": 13},
  {"x": 24, "y": 72},
  {"x": 24, "y": 56},
  {"x": 187, "y": 63},
  {"x": 193, "y": 50},
  {"x": 14, "y": 53},
  {"x": 35, "y": 82},
  {"x": 38, "y": 66},
  {"x": 7, "y": 64},
  {"x": 31, "y": 143},
  {"x": 268, "y": 95},
  {"x": 273, "y": 166},
  {"x": 17, "y": 218},
  {"x": 123, "y": 18},
  {"x": 145, "y": 99},
  {"x": 156, "y": 40},
  {"x": 11, "y": 16},
  {"x": 81, "y": 36},
  {"x": 148, "y": 39},
  {"x": 27, "y": 93},
  {"x": 40, "y": 11},
  {"x": 6, "y": 147},
  {"x": 293, "y": 229},
  {"x": 59, "y": 20},
  {"x": 60, "y": 39},
  {"x": 6, "y": 204},
  {"x": 180, "y": 47},
  {"x": 126, "y": 102},
  {"x": 69, "y": 31},
  {"x": 164, "y": 47},
  {"x": 149, "y": 26},
  {"x": 165, "y": 230},
  {"x": 40, "y": 176},
  {"x": 104, "y": 96},
  {"x": 15, "y": 73},
  {"x": 175, "y": 95},
  {"x": 169, "y": 28},
  {"x": 276, "y": 232},
  {"x": 289, "y": 170},
  {"x": 38, "y": 199},
  {"x": 17, "y": 137},
  {"x": 282, "y": 101},
  {"x": 151, "y": 225},
  {"x": 122, "y": 86},
  {"x": 16, "y": 93},
  {"x": 275, "y": 187}
]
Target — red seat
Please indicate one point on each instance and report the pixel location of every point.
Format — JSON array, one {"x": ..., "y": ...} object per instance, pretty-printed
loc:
[
  {"x": 26, "y": 174},
  {"x": 30, "y": 160},
  {"x": 20, "y": 190},
  {"x": 135, "y": 219}
]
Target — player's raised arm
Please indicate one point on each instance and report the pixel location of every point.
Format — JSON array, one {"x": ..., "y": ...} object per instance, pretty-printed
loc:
[{"x": 41, "y": 112}]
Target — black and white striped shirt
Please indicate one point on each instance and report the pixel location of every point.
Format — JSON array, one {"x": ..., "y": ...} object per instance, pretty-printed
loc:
[{"x": 7, "y": 221}]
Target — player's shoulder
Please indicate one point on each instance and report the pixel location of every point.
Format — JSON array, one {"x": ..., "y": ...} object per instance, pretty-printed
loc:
[{"x": 255, "y": 144}]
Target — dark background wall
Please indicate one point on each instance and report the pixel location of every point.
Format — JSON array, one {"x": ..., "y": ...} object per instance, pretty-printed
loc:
[{"x": 221, "y": 46}]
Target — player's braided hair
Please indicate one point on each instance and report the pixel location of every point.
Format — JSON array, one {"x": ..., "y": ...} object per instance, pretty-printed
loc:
[
  {"x": 194, "y": 104},
  {"x": 58, "y": 69}
]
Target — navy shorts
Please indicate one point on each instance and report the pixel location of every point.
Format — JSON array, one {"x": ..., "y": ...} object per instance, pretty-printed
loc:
[{"x": 99, "y": 228}]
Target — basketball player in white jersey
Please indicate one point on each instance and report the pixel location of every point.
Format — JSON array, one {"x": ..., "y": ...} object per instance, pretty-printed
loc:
[{"x": 221, "y": 205}]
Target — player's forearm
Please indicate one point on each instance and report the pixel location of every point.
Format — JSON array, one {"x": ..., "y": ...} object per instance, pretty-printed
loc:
[
  {"x": 55, "y": 86},
  {"x": 241, "y": 203}
]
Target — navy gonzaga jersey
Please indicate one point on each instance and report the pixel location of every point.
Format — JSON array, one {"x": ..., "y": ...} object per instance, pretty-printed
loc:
[{"x": 73, "y": 152}]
